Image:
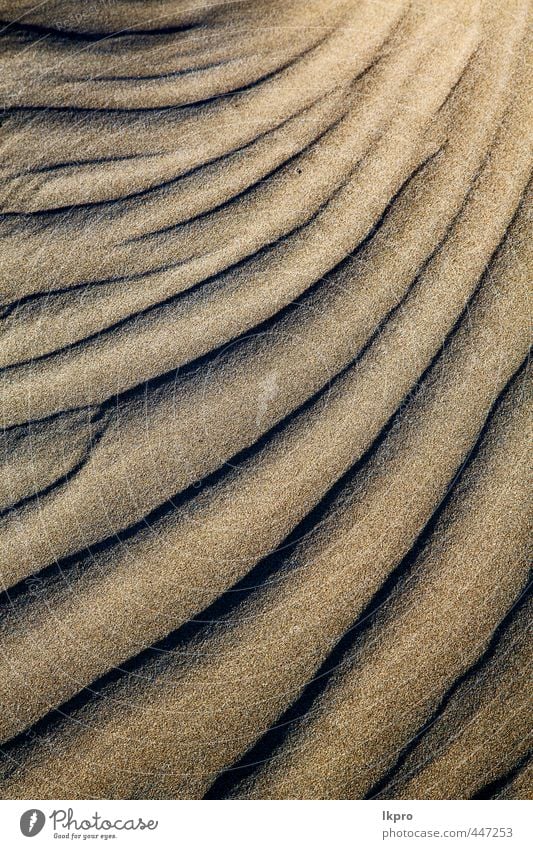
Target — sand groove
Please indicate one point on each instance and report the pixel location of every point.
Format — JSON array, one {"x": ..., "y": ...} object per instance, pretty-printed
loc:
[{"x": 264, "y": 330}]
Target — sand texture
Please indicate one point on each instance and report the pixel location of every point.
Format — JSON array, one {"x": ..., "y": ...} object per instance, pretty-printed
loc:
[{"x": 265, "y": 399}]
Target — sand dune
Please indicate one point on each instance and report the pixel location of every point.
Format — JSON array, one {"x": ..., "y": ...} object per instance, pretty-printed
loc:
[
  {"x": 381, "y": 695},
  {"x": 464, "y": 744},
  {"x": 264, "y": 330},
  {"x": 518, "y": 785}
]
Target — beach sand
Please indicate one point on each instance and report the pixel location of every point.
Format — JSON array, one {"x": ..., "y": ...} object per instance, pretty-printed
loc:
[{"x": 265, "y": 317}]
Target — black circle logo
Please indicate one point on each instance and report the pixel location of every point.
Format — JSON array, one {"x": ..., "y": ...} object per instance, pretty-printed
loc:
[{"x": 31, "y": 822}]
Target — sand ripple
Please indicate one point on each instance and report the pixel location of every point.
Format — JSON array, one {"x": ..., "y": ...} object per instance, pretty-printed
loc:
[{"x": 264, "y": 331}]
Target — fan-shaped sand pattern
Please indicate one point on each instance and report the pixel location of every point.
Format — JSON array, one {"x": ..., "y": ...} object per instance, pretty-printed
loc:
[{"x": 264, "y": 333}]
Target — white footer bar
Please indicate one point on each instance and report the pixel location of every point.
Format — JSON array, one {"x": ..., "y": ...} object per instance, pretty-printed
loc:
[{"x": 246, "y": 825}]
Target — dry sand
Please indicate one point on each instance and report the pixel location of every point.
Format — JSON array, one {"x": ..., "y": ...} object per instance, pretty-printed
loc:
[
  {"x": 518, "y": 786},
  {"x": 462, "y": 752},
  {"x": 264, "y": 285}
]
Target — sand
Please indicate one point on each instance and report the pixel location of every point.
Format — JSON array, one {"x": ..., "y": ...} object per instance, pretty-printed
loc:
[
  {"x": 264, "y": 328},
  {"x": 464, "y": 743}
]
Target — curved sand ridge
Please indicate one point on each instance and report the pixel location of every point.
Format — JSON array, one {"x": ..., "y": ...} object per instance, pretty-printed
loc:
[{"x": 264, "y": 331}]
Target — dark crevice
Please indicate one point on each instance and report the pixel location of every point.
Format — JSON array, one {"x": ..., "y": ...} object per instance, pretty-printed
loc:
[
  {"x": 125, "y": 200},
  {"x": 138, "y": 275},
  {"x": 30, "y": 423},
  {"x": 92, "y": 443},
  {"x": 468, "y": 66},
  {"x": 494, "y": 788},
  {"x": 270, "y": 568},
  {"x": 60, "y": 34},
  {"x": 198, "y": 104},
  {"x": 214, "y": 477},
  {"x": 186, "y": 293},
  {"x": 265, "y": 748},
  {"x": 248, "y": 190},
  {"x": 240, "y": 263},
  {"x": 168, "y": 75},
  {"x": 179, "y": 499},
  {"x": 76, "y": 163},
  {"x": 301, "y": 530},
  {"x": 194, "y": 365},
  {"x": 387, "y": 781},
  {"x": 171, "y": 299},
  {"x": 264, "y": 572}
]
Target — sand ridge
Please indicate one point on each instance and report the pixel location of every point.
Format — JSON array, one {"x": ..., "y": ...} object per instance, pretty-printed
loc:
[{"x": 264, "y": 329}]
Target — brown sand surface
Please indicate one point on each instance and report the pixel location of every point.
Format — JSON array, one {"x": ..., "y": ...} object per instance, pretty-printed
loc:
[
  {"x": 180, "y": 589},
  {"x": 264, "y": 323},
  {"x": 210, "y": 708},
  {"x": 462, "y": 750},
  {"x": 519, "y": 786},
  {"x": 377, "y": 700},
  {"x": 176, "y": 334},
  {"x": 252, "y": 365}
]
